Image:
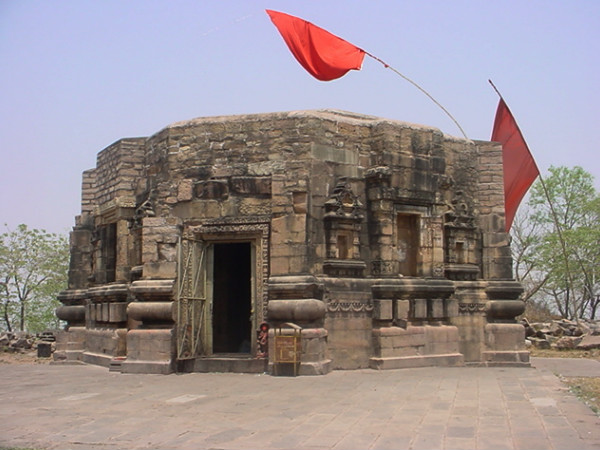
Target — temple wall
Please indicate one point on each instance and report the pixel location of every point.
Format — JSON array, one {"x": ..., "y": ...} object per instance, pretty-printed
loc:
[{"x": 384, "y": 241}]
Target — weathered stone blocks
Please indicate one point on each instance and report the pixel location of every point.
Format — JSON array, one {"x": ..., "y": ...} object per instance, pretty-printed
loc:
[{"x": 384, "y": 241}]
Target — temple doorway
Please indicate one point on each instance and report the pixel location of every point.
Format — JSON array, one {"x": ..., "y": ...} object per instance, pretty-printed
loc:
[{"x": 232, "y": 297}]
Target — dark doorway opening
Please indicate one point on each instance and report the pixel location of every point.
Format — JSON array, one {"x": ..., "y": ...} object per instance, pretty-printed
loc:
[
  {"x": 231, "y": 321},
  {"x": 408, "y": 244}
]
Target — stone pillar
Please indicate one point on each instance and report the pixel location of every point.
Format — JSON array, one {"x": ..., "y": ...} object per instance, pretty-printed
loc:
[
  {"x": 106, "y": 324},
  {"x": 380, "y": 209},
  {"x": 70, "y": 342},
  {"x": 298, "y": 299},
  {"x": 124, "y": 245},
  {"x": 504, "y": 337},
  {"x": 471, "y": 318},
  {"x": 151, "y": 345},
  {"x": 81, "y": 253},
  {"x": 434, "y": 267}
]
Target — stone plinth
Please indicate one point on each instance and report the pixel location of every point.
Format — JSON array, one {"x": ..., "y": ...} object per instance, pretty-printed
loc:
[
  {"x": 104, "y": 344},
  {"x": 151, "y": 345},
  {"x": 415, "y": 346},
  {"x": 290, "y": 302},
  {"x": 150, "y": 351},
  {"x": 70, "y": 345},
  {"x": 70, "y": 342},
  {"x": 505, "y": 345}
]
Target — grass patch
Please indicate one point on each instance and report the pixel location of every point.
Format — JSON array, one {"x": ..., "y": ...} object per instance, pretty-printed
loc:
[
  {"x": 587, "y": 390},
  {"x": 555, "y": 353}
]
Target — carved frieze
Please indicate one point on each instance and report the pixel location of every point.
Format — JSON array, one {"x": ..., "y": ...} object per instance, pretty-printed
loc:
[
  {"x": 471, "y": 308},
  {"x": 349, "y": 307}
]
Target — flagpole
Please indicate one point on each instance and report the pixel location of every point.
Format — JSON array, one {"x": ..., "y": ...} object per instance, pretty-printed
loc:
[
  {"x": 387, "y": 66},
  {"x": 552, "y": 210}
]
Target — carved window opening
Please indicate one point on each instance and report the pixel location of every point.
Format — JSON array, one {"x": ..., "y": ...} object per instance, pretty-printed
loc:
[
  {"x": 407, "y": 244},
  {"x": 343, "y": 246},
  {"x": 459, "y": 250}
]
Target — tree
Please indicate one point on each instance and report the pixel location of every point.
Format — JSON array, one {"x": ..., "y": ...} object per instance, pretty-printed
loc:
[
  {"x": 557, "y": 249},
  {"x": 525, "y": 241},
  {"x": 33, "y": 269}
]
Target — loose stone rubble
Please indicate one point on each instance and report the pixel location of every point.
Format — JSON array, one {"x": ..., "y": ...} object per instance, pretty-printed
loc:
[
  {"x": 22, "y": 342},
  {"x": 381, "y": 241},
  {"x": 563, "y": 334}
]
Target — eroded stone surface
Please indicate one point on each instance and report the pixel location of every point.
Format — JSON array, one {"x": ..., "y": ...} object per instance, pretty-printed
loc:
[{"x": 383, "y": 241}]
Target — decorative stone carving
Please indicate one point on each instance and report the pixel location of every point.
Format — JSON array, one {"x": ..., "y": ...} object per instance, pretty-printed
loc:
[
  {"x": 470, "y": 308},
  {"x": 384, "y": 268},
  {"x": 344, "y": 307},
  {"x": 460, "y": 240},
  {"x": 343, "y": 217}
]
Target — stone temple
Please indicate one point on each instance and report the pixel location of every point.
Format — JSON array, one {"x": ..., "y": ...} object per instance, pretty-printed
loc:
[{"x": 374, "y": 243}]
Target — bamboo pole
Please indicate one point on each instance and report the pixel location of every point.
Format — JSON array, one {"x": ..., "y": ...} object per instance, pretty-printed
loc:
[
  {"x": 387, "y": 66},
  {"x": 552, "y": 209}
]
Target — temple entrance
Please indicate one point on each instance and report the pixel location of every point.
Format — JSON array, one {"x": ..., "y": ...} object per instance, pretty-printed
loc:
[
  {"x": 221, "y": 298},
  {"x": 232, "y": 297}
]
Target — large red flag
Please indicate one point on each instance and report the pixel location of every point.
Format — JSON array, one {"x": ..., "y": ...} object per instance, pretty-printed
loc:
[
  {"x": 324, "y": 55},
  {"x": 520, "y": 170}
]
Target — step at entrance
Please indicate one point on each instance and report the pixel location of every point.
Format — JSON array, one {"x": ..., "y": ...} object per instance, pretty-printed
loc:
[
  {"x": 234, "y": 363},
  {"x": 116, "y": 364}
]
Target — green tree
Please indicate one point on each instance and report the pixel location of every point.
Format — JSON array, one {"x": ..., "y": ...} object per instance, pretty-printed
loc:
[
  {"x": 33, "y": 269},
  {"x": 526, "y": 239},
  {"x": 571, "y": 228}
]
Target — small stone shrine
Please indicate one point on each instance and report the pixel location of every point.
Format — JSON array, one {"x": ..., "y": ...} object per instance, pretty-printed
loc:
[{"x": 383, "y": 241}]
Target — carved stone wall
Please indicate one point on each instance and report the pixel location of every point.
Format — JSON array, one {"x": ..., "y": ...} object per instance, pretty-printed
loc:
[{"x": 383, "y": 240}]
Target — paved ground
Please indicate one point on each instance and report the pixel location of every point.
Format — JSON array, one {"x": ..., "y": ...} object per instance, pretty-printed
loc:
[{"x": 87, "y": 407}]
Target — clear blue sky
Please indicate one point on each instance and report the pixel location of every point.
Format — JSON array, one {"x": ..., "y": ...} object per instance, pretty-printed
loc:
[{"x": 77, "y": 75}]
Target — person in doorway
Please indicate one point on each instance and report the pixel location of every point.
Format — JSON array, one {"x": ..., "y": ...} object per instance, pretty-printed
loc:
[{"x": 262, "y": 341}]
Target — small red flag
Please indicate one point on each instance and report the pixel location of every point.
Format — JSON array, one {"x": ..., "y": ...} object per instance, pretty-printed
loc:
[
  {"x": 520, "y": 170},
  {"x": 324, "y": 55}
]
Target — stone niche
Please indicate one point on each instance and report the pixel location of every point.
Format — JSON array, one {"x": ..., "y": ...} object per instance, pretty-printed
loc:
[
  {"x": 381, "y": 243},
  {"x": 343, "y": 223}
]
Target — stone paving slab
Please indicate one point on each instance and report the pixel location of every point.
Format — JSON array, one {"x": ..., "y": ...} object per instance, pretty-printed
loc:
[
  {"x": 568, "y": 367},
  {"x": 87, "y": 407}
]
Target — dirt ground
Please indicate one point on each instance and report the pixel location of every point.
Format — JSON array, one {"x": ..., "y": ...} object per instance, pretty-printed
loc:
[{"x": 29, "y": 357}]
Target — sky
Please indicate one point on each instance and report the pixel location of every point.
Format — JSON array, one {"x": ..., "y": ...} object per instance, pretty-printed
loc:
[{"x": 77, "y": 75}]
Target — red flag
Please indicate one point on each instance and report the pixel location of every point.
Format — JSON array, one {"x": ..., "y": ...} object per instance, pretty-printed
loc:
[
  {"x": 324, "y": 55},
  {"x": 520, "y": 170}
]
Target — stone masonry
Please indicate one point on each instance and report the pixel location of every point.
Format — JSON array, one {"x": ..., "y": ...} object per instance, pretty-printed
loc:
[{"x": 381, "y": 241}]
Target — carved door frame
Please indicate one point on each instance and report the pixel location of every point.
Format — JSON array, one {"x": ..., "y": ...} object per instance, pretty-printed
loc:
[{"x": 257, "y": 234}]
